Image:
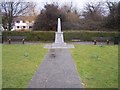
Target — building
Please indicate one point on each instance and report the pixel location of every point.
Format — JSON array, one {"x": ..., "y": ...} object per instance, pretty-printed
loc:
[
  {"x": 1, "y": 28},
  {"x": 23, "y": 23}
]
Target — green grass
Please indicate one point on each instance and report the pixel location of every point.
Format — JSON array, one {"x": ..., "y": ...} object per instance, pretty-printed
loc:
[
  {"x": 20, "y": 63},
  {"x": 97, "y": 65},
  {"x": 0, "y": 66}
]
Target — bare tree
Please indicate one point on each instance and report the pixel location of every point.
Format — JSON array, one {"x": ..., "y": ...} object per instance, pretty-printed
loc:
[
  {"x": 32, "y": 9},
  {"x": 113, "y": 19},
  {"x": 71, "y": 12},
  {"x": 67, "y": 7},
  {"x": 12, "y": 9},
  {"x": 93, "y": 11}
]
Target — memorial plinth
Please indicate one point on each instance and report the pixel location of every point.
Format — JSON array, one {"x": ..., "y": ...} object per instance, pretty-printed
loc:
[{"x": 59, "y": 39}]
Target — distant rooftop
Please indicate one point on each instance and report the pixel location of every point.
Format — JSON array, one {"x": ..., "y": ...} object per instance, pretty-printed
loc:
[{"x": 24, "y": 18}]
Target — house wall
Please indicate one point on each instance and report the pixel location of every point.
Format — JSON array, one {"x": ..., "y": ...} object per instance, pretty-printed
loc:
[
  {"x": 22, "y": 25},
  {"x": 1, "y": 28}
]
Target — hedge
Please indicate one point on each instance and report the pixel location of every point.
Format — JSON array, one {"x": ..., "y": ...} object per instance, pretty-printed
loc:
[
  {"x": 88, "y": 35},
  {"x": 49, "y": 36},
  {"x": 31, "y": 36}
]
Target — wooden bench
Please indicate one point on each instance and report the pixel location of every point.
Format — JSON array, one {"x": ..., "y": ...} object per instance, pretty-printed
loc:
[
  {"x": 76, "y": 40},
  {"x": 101, "y": 39},
  {"x": 16, "y": 38}
]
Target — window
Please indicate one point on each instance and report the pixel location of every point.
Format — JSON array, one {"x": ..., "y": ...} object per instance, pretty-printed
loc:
[
  {"x": 17, "y": 26},
  {"x": 17, "y": 21},
  {"x": 23, "y": 26},
  {"x": 30, "y": 27}
]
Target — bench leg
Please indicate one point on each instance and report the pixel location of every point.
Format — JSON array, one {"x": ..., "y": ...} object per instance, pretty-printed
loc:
[
  {"x": 107, "y": 42},
  {"x": 95, "y": 42},
  {"x": 9, "y": 41},
  {"x": 2, "y": 40},
  {"x": 23, "y": 41}
]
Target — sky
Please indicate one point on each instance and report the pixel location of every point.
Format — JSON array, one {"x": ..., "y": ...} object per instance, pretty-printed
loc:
[{"x": 79, "y": 4}]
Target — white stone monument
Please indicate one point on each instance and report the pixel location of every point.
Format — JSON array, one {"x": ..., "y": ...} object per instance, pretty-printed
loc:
[{"x": 59, "y": 39}]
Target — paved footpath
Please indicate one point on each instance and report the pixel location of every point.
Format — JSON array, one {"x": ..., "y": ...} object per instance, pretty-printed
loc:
[{"x": 56, "y": 71}]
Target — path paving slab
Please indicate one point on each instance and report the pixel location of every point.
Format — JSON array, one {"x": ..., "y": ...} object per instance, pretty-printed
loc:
[{"x": 56, "y": 71}]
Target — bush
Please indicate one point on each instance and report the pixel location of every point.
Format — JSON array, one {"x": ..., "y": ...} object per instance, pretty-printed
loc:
[
  {"x": 49, "y": 36},
  {"x": 88, "y": 35},
  {"x": 31, "y": 36}
]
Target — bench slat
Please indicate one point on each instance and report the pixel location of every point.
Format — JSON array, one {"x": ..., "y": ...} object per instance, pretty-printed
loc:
[
  {"x": 16, "y": 37},
  {"x": 101, "y": 38}
]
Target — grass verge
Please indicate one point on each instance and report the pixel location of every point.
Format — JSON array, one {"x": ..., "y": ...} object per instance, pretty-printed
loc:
[
  {"x": 0, "y": 66},
  {"x": 20, "y": 63},
  {"x": 97, "y": 65}
]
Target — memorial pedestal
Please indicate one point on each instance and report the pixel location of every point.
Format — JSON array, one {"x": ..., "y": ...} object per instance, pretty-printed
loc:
[{"x": 59, "y": 39}]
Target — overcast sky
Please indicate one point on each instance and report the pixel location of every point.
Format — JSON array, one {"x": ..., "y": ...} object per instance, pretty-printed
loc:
[{"x": 79, "y": 4}]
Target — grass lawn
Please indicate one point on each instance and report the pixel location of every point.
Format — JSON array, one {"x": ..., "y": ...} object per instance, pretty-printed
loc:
[
  {"x": 20, "y": 63},
  {"x": 0, "y": 66},
  {"x": 97, "y": 65}
]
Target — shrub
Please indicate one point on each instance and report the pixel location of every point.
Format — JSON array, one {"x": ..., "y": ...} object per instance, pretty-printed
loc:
[
  {"x": 31, "y": 36},
  {"x": 88, "y": 35},
  {"x": 49, "y": 36}
]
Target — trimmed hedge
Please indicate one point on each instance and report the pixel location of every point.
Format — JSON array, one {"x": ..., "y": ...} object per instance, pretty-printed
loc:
[
  {"x": 49, "y": 36},
  {"x": 88, "y": 35},
  {"x": 31, "y": 36}
]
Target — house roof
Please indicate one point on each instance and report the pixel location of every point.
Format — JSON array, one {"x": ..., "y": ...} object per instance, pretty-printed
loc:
[{"x": 24, "y": 18}]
